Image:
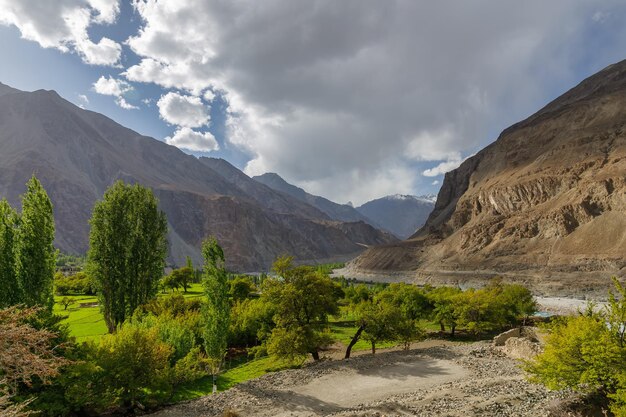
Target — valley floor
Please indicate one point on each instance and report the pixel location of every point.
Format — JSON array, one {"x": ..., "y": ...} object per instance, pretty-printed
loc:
[{"x": 432, "y": 379}]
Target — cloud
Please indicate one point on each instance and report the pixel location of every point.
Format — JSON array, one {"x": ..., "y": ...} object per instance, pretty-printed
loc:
[
  {"x": 183, "y": 110},
  {"x": 63, "y": 24},
  {"x": 333, "y": 93},
  {"x": 121, "y": 101},
  {"x": 83, "y": 101},
  {"x": 189, "y": 139},
  {"x": 208, "y": 96},
  {"x": 110, "y": 86},
  {"x": 442, "y": 168}
]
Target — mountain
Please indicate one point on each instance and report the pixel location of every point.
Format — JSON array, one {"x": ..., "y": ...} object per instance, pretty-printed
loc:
[
  {"x": 399, "y": 214},
  {"x": 340, "y": 212},
  {"x": 544, "y": 205},
  {"x": 77, "y": 154}
]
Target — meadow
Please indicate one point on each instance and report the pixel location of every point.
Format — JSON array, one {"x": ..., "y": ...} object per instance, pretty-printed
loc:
[{"x": 86, "y": 323}]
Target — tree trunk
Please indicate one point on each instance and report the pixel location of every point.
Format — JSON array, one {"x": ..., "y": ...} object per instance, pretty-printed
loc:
[
  {"x": 355, "y": 339},
  {"x": 373, "y": 348},
  {"x": 316, "y": 355},
  {"x": 214, "y": 384},
  {"x": 452, "y": 329},
  {"x": 442, "y": 327}
]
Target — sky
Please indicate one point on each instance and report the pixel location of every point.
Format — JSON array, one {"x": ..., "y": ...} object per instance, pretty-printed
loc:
[{"x": 352, "y": 99}]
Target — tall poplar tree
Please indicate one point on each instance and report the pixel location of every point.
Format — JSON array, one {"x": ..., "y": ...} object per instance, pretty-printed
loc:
[
  {"x": 35, "y": 254},
  {"x": 217, "y": 308},
  {"x": 127, "y": 249},
  {"x": 10, "y": 290}
]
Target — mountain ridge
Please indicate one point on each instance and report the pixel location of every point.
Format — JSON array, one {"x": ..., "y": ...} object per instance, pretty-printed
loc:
[
  {"x": 78, "y": 153},
  {"x": 543, "y": 205}
]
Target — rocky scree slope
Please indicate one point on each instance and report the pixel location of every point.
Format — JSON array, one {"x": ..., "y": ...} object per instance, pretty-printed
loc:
[{"x": 544, "y": 205}]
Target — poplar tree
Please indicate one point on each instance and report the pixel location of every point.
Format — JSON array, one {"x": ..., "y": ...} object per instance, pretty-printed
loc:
[
  {"x": 10, "y": 291},
  {"x": 127, "y": 249},
  {"x": 35, "y": 253},
  {"x": 217, "y": 308}
]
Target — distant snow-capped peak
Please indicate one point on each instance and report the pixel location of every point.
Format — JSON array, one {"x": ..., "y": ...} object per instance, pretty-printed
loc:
[{"x": 429, "y": 198}]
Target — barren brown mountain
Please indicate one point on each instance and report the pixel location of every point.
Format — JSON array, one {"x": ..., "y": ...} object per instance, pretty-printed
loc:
[
  {"x": 544, "y": 205},
  {"x": 77, "y": 154}
]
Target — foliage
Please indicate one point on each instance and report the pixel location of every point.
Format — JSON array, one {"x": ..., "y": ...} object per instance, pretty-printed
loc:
[
  {"x": 443, "y": 311},
  {"x": 303, "y": 298},
  {"x": 35, "y": 254},
  {"x": 586, "y": 353},
  {"x": 179, "y": 278},
  {"x": 251, "y": 322},
  {"x": 10, "y": 290},
  {"x": 79, "y": 283},
  {"x": 134, "y": 366},
  {"x": 216, "y": 312},
  {"x": 27, "y": 354},
  {"x": 241, "y": 287},
  {"x": 127, "y": 250}
]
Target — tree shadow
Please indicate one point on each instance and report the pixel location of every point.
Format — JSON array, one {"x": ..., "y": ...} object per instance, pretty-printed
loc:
[{"x": 293, "y": 401}]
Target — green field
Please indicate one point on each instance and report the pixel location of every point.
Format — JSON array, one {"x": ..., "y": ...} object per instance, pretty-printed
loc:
[
  {"x": 85, "y": 323},
  {"x": 85, "y": 319}
]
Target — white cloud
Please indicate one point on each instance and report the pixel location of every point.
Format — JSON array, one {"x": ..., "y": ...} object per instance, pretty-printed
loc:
[
  {"x": 330, "y": 93},
  {"x": 83, "y": 101},
  {"x": 189, "y": 139},
  {"x": 436, "y": 182},
  {"x": 121, "y": 101},
  {"x": 442, "y": 168},
  {"x": 208, "y": 96},
  {"x": 183, "y": 110},
  {"x": 63, "y": 24},
  {"x": 110, "y": 86}
]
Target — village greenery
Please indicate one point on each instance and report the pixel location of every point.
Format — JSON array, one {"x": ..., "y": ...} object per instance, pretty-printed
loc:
[{"x": 112, "y": 333}]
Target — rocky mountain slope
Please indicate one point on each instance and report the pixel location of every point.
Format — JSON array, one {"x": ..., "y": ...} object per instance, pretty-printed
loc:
[
  {"x": 341, "y": 212},
  {"x": 402, "y": 215},
  {"x": 544, "y": 205},
  {"x": 77, "y": 154}
]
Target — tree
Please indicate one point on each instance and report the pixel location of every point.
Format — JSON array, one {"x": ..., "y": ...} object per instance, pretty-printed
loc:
[
  {"x": 303, "y": 299},
  {"x": 587, "y": 353},
  {"x": 127, "y": 250},
  {"x": 66, "y": 302},
  {"x": 241, "y": 288},
  {"x": 10, "y": 290},
  {"x": 133, "y": 365},
  {"x": 35, "y": 253},
  {"x": 27, "y": 354},
  {"x": 216, "y": 312},
  {"x": 443, "y": 312},
  {"x": 184, "y": 276}
]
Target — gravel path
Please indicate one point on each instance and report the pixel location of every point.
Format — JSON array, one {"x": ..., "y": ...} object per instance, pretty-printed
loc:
[{"x": 463, "y": 380}]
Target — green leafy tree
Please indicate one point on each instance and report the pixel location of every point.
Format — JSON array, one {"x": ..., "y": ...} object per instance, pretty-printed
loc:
[
  {"x": 442, "y": 301},
  {"x": 10, "y": 290},
  {"x": 127, "y": 250},
  {"x": 303, "y": 299},
  {"x": 587, "y": 353},
  {"x": 35, "y": 253},
  {"x": 378, "y": 319},
  {"x": 241, "y": 288},
  {"x": 216, "y": 313},
  {"x": 133, "y": 365}
]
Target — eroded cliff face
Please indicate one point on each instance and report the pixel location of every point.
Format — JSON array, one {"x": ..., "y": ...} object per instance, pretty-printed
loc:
[{"x": 545, "y": 204}]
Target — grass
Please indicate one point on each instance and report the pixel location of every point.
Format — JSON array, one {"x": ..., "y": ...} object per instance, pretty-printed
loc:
[
  {"x": 238, "y": 370},
  {"x": 87, "y": 323}
]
